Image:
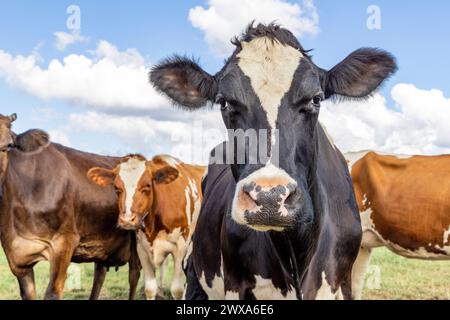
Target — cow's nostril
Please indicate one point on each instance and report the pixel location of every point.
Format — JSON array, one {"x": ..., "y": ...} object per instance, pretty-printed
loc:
[
  {"x": 249, "y": 196},
  {"x": 247, "y": 200},
  {"x": 290, "y": 196},
  {"x": 250, "y": 187}
]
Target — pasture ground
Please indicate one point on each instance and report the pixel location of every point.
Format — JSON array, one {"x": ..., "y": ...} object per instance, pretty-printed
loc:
[{"x": 390, "y": 277}]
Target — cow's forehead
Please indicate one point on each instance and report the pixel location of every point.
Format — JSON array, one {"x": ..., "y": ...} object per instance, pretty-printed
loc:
[
  {"x": 131, "y": 171},
  {"x": 270, "y": 66}
]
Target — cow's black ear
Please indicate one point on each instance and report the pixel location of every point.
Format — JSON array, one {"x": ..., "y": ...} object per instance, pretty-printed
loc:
[
  {"x": 361, "y": 73},
  {"x": 184, "y": 82}
]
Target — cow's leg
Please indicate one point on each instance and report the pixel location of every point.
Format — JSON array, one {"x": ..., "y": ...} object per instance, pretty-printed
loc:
[
  {"x": 162, "y": 270},
  {"x": 330, "y": 270},
  {"x": 59, "y": 263},
  {"x": 161, "y": 249},
  {"x": 177, "y": 287},
  {"x": 99, "y": 279},
  {"x": 194, "y": 290},
  {"x": 144, "y": 253},
  {"x": 359, "y": 272},
  {"x": 27, "y": 285},
  {"x": 134, "y": 273}
]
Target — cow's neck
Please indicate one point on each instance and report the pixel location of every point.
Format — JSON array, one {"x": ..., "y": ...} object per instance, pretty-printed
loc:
[
  {"x": 299, "y": 243},
  {"x": 152, "y": 221}
]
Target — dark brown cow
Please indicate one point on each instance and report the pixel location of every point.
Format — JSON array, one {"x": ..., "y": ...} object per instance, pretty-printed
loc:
[
  {"x": 50, "y": 211},
  {"x": 404, "y": 203},
  {"x": 160, "y": 199}
]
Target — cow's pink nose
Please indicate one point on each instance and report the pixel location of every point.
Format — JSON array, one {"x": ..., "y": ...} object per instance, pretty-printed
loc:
[
  {"x": 129, "y": 222},
  {"x": 271, "y": 196}
]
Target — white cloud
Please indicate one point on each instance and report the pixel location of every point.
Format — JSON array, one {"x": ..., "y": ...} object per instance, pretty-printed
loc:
[
  {"x": 224, "y": 19},
  {"x": 419, "y": 124},
  {"x": 190, "y": 139},
  {"x": 106, "y": 80},
  {"x": 129, "y": 57},
  {"x": 59, "y": 136},
  {"x": 64, "y": 39},
  {"x": 121, "y": 104}
]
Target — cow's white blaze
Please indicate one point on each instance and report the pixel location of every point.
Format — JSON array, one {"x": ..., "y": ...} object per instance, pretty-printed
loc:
[
  {"x": 130, "y": 173},
  {"x": 271, "y": 67}
]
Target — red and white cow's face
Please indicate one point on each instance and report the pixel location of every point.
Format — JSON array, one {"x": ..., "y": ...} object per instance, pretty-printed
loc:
[{"x": 135, "y": 180}]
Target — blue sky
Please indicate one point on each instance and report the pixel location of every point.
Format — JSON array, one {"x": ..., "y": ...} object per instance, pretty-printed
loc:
[{"x": 414, "y": 31}]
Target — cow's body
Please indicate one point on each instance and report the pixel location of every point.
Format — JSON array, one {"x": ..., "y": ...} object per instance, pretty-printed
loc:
[
  {"x": 51, "y": 211},
  {"x": 166, "y": 232},
  {"x": 263, "y": 267},
  {"x": 279, "y": 220},
  {"x": 160, "y": 199},
  {"x": 404, "y": 202}
]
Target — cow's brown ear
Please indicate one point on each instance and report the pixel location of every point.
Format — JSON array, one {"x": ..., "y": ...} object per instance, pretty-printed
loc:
[
  {"x": 102, "y": 177},
  {"x": 166, "y": 175}
]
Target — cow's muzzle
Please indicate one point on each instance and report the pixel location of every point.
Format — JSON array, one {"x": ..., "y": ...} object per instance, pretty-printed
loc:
[
  {"x": 267, "y": 200},
  {"x": 130, "y": 222}
]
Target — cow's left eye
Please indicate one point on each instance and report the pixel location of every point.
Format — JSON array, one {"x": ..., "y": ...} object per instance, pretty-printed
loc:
[
  {"x": 220, "y": 100},
  {"x": 317, "y": 100}
]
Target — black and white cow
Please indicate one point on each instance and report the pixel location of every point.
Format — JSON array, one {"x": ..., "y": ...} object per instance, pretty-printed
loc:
[{"x": 287, "y": 227}]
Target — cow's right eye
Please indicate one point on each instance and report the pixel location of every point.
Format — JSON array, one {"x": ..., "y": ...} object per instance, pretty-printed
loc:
[{"x": 224, "y": 105}]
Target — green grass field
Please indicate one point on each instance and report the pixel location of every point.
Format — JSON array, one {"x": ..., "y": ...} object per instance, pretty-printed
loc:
[{"x": 397, "y": 277}]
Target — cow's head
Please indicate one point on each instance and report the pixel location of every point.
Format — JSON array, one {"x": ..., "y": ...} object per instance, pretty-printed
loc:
[
  {"x": 271, "y": 83},
  {"x": 6, "y": 141},
  {"x": 135, "y": 180}
]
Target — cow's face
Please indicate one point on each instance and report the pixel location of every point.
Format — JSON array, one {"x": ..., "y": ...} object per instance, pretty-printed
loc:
[
  {"x": 135, "y": 180},
  {"x": 271, "y": 85},
  {"x": 6, "y": 141}
]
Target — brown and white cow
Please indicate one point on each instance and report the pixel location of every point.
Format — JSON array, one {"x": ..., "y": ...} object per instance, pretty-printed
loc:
[
  {"x": 404, "y": 203},
  {"x": 160, "y": 199}
]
